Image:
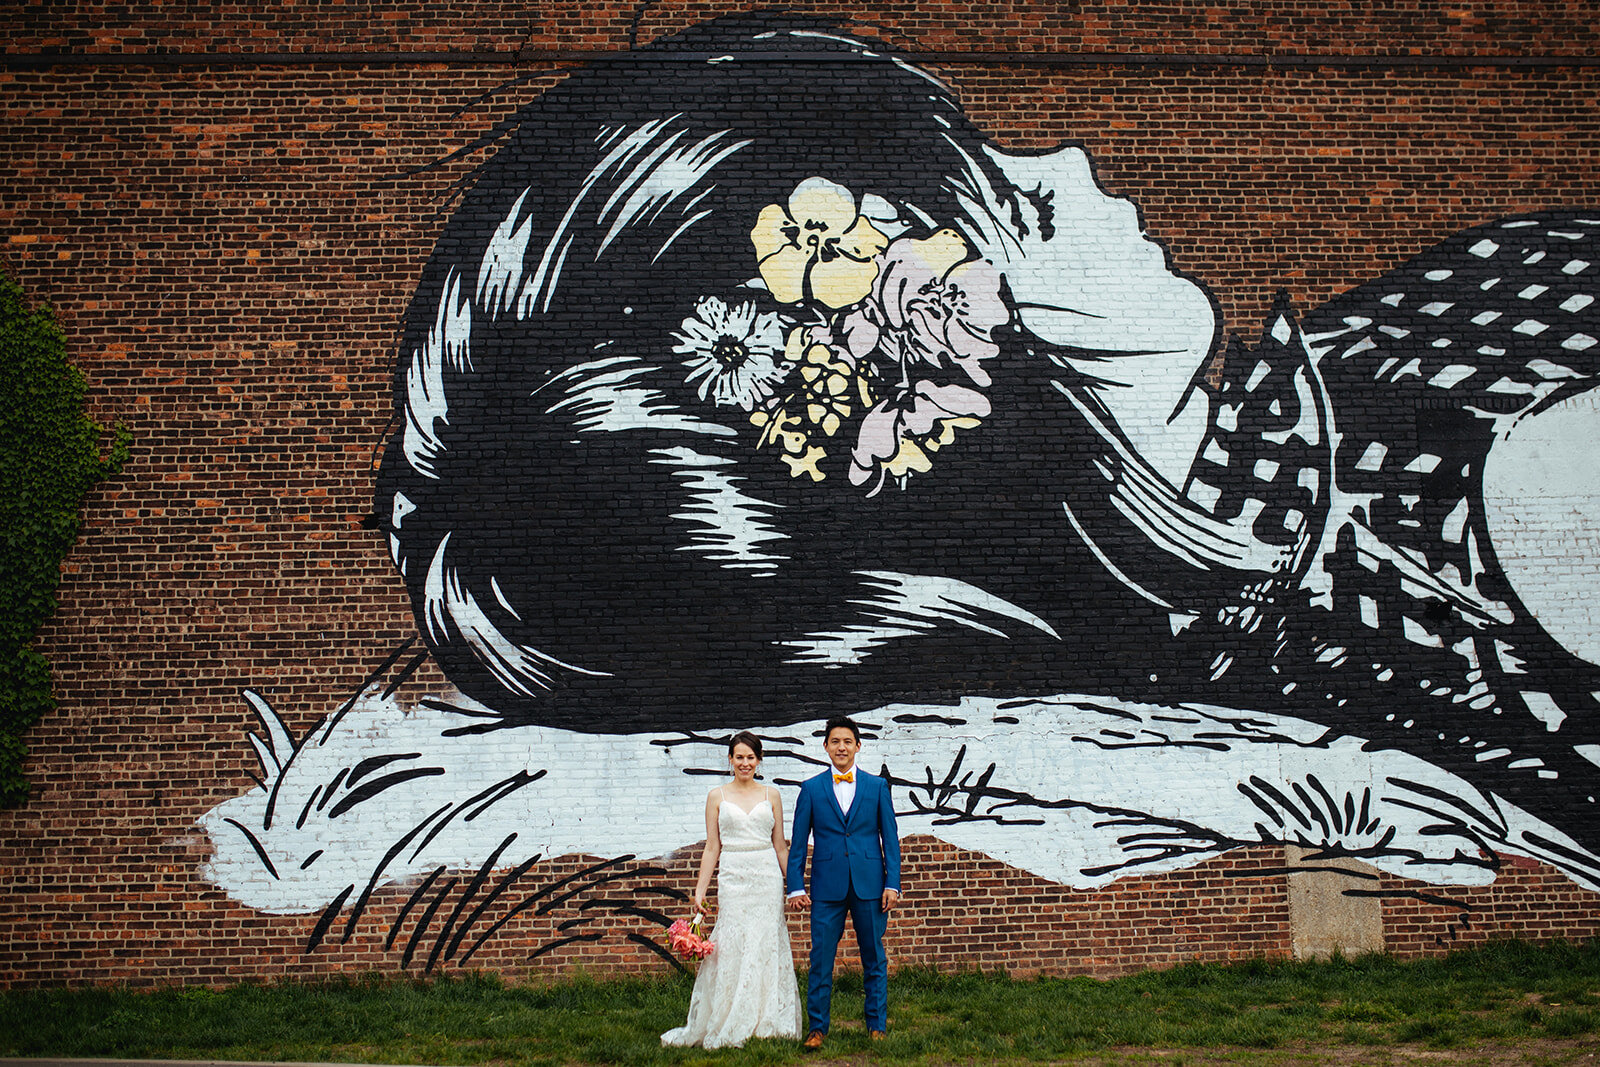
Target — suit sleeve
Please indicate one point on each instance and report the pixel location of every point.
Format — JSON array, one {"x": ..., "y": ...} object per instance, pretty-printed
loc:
[
  {"x": 890, "y": 835},
  {"x": 799, "y": 842}
]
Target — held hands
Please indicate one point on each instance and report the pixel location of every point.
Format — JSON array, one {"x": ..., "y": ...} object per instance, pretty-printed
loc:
[{"x": 890, "y": 898}]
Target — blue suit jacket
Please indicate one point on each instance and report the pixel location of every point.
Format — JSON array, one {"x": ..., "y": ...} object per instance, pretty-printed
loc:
[{"x": 858, "y": 853}]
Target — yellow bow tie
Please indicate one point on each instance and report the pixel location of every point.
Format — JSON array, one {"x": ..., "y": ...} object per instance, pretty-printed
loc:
[{"x": 851, "y": 777}]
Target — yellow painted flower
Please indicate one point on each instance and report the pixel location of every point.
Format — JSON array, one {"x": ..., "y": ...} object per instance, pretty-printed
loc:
[
  {"x": 910, "y": 457},
  {"x": 945, "y": 431},
  {"x": 780, "y": 428},
  {"x": 817, "y": 247},
  {"x": 807, "y": 464},
  {"x": 828, "y": 381}
]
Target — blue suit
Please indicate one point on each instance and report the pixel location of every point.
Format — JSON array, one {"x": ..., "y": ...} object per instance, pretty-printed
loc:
[{"x": 856, "y": 856}]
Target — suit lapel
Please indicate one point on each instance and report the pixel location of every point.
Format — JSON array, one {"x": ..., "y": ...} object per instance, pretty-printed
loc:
[
  {"x": 825, "y": 779},
  {"x": 859, "y": 804}
]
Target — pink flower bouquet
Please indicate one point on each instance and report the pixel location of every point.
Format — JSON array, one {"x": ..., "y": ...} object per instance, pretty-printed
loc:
[{"x": 686, "y": 938}]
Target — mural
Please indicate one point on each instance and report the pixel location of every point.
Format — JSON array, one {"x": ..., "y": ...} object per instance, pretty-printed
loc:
[{"x": 716, "y": 415}]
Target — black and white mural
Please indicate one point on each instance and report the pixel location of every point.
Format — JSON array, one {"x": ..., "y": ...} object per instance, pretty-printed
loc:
[{"x": 750, "y": 383}]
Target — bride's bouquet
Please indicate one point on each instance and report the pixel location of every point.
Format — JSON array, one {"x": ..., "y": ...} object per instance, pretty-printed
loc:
[{"x": 686, "y": 938}]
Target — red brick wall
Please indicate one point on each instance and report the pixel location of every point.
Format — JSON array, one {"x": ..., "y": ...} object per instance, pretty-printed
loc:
[
  {"x": 1527, "y": 900},
  {"x": 230, "y": 236}
]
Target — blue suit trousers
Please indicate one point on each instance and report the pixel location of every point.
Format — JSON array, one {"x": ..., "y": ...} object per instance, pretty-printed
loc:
[{"x": 869, "y": 920}]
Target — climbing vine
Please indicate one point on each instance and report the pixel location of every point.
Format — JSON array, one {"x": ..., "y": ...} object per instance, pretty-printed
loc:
[{"x": 51, "y": 454}]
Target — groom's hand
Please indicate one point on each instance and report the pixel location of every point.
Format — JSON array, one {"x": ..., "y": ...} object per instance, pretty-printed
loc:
[
  {"x": 799, "y": 900},
  {"x": 891, "y": 897}
]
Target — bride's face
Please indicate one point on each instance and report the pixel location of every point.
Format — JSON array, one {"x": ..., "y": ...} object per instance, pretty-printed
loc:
[{"x": 744, "y": 762}]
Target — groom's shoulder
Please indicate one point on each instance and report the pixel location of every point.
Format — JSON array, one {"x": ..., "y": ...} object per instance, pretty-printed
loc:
[{"x": 880, "y": 780}]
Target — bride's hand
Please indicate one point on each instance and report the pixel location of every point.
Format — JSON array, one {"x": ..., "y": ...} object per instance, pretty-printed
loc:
[{"x": 699, "y": 901}]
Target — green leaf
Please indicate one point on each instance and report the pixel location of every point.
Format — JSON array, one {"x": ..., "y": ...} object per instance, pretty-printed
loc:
[{"x": 51, "y": 455}]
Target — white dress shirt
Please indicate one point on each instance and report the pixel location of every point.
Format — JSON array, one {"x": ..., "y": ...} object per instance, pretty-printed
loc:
[{"x": 844, "y": 792}]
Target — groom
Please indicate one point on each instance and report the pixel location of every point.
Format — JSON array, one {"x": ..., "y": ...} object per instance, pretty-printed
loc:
[{"x": 855, "y": 870}]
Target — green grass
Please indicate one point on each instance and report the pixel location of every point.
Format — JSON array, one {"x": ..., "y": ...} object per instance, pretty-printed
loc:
[{"x": 1506, "y": 995}]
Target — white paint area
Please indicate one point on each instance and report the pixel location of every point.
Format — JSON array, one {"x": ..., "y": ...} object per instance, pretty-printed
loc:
[
  {"x": 726, "y": 524},
  {"x": 906, "y": 605},
  {"x": 1081, "y": 790},
  {"x": 427, "y": 407},
  {"x": 1099, "y": 284},
  {"x": 1541, "y": 495}
]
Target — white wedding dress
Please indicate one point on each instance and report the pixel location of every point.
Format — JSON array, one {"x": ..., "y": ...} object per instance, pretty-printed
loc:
[{"x": 746, "y": 988}]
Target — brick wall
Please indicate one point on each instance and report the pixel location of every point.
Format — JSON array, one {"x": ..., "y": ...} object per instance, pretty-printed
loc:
[{"x": 226, "y": 214}]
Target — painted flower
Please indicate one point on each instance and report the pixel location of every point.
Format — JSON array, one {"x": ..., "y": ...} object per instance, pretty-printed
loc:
[
  {"x": 830, "y": 384},
  {"x": 817, "y": 246},
  {"x": 824, "y": 388},
  {"x": 898, "y": 435},
  {"x": 939, "y": 305},
  {"x": 782, "y": 428},
  {"x": 807, "y": 463},
  {"x": 735, "y": 353}
]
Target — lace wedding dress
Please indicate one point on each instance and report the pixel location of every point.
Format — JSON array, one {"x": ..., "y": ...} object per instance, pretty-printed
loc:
[{"x": 746, "y": 988}]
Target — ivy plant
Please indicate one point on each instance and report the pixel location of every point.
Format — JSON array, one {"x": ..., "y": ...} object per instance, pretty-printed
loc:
[{"x": 51, "y": 455}]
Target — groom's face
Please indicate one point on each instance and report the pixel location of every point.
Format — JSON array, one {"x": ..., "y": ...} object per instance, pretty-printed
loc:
[{"x": 842, "y": 747}]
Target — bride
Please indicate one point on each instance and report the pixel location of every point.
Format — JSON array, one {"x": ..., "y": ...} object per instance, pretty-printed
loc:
[{"x": 746, "y": 988}]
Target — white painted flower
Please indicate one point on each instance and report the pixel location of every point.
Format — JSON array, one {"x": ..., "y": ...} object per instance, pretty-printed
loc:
[{"x": 735, "y": 353}]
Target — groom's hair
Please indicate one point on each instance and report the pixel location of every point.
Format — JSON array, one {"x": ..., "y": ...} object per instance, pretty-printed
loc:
[{"x": 839, "y": 722}]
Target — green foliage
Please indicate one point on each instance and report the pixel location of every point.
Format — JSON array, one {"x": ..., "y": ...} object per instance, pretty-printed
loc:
[
  {"x": 1256, "y": 1012},
  {"x": 50, "y": 457}
]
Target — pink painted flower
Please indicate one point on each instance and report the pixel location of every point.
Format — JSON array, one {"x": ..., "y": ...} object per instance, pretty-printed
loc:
[
  {"x": 898, "y": 434},
  {"x": 939, "y": 306}
]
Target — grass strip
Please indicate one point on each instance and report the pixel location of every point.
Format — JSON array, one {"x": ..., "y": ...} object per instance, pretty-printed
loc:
[{"x": 1503, "y": 994}]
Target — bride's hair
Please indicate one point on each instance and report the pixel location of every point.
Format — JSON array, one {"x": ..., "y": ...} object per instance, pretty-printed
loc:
[{"x": 745, "y": 737}]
